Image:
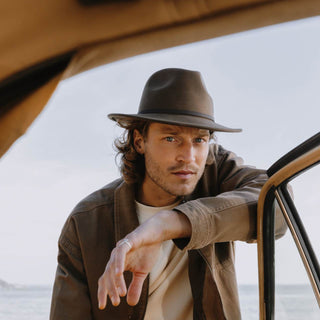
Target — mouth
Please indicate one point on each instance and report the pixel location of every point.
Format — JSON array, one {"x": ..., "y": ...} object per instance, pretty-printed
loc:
[{"x": 184, "y": 174}]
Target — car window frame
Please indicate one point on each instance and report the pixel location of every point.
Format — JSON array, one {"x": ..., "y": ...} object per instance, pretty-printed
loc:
[{"x": 300, "y": 159}]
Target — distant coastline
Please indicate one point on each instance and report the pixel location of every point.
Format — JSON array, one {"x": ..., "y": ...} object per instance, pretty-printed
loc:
[
  {"x": 14, "y": 286},
  {"x": 6, "y": 285}
]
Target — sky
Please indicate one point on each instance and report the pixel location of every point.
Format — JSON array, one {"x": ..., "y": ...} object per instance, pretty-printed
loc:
[{"x": 265, "y": 81}]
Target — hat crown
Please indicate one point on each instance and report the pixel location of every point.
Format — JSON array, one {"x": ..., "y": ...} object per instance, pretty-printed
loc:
[
  {"x": 176, "y": 91},
  {"x": 177, "y": 97}
]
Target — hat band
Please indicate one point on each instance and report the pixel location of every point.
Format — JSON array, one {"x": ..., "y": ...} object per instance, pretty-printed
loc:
[{"x": 184, "y": 112}]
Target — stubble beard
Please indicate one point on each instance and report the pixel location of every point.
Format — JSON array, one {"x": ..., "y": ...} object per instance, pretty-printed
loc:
[{"x": 157, "y": 176}]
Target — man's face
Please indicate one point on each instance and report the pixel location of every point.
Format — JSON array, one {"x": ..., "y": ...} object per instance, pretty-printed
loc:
[{"x": 175, "y": 157}]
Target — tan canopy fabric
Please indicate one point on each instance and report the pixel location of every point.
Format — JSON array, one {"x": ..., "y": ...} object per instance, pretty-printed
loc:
[{"x": 42, "y": 42}]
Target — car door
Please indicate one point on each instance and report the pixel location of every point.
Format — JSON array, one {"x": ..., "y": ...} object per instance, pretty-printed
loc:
[{"x": 289, "y": 273}]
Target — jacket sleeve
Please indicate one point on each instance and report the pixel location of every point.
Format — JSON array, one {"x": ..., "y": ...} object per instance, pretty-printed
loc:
[
  {"x": 70, "y": 298},
  {"x": 231, "y": 214}
]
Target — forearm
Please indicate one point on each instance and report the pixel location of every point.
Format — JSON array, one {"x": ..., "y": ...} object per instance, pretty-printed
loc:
[
  {"x": 220, "y": 219},
  {"x": 165, "y": 225}
]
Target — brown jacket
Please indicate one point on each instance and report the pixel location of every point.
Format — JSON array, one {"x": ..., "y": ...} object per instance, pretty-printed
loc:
[{"x": 222, "y": 209}]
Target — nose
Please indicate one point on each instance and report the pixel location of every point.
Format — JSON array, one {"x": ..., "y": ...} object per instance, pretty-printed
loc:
[{"x": 186, "y": 153}]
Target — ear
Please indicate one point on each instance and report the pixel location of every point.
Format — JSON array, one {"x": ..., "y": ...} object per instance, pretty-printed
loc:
[{"x": 138, "y": 141}]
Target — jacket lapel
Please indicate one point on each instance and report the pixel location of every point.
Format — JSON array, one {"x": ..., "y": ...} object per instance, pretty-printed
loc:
[{"x": 125, "y": 221}]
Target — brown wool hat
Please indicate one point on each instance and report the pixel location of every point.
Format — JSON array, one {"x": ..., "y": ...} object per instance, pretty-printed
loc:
[{"x": 178, "y": 97}]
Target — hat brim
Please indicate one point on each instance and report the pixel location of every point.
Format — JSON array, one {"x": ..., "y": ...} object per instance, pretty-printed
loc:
[{"x": 175, "y": 119}]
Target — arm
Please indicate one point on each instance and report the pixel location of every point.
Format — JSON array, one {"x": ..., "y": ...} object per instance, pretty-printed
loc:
[
  {"x": 70, "y": 298},
  {"x": 231, "y": 214}
]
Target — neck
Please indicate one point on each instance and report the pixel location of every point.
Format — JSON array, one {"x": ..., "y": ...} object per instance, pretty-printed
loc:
[{"x": 148, "y": 196}]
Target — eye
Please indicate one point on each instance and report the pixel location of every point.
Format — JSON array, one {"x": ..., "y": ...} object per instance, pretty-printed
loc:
[
  {"x": 169, "y": 139},
  {"x": 199, "y": 140}
]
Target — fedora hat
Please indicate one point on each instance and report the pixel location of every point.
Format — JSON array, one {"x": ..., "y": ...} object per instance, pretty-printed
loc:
[{"x": 178, "y": 97}]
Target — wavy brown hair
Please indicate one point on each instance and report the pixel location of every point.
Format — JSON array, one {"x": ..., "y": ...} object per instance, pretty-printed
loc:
[{"x": 131, "y": 163}]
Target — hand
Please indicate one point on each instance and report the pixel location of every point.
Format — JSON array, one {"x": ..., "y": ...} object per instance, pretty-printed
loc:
[
  {"x": 139, "y": 254},
  {"x": 138, "y": 260}
]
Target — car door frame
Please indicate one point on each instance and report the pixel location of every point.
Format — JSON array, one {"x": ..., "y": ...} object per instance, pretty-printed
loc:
[{"x": 275, "y": 190}]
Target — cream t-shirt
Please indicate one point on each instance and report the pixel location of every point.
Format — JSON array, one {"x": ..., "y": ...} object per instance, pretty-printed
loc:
[{"x": 170, "y": 295}]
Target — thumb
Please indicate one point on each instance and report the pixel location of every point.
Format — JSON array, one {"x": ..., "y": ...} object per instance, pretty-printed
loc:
[{"x": 134, "y": 291}]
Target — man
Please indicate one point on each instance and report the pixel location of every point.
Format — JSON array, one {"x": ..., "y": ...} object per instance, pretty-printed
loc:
[{"x": 175, "y": 186}]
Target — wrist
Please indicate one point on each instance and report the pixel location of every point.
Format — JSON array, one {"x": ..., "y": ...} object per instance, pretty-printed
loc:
[{"x": 174, "y": 224}]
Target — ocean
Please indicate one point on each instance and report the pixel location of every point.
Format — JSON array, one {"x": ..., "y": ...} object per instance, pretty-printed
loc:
[
  {"x": 292, "y": 303},
  {"x": 25, "y": 303}
]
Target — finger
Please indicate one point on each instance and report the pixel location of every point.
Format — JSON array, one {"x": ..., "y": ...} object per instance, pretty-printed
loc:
[
  {"x": 123, "y": 247},
  {"x": 112, "y": 289},
  {"x": 134, "y": 291},
  {"x": 120, "y": 258},
  {"x": 120, "y": 285},
  {"x": 102, "y": 292},
  {"x": 107, "y": 287}
]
